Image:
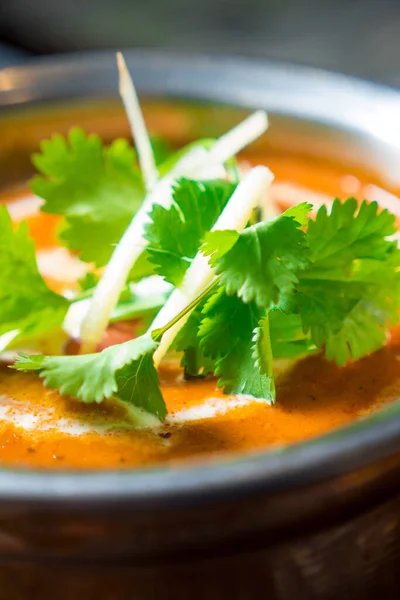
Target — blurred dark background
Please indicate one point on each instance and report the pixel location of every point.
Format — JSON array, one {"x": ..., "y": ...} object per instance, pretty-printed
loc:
[{"x": 360, "y": 37}]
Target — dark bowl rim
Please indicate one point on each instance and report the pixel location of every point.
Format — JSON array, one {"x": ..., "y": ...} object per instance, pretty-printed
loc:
[{"x": 334, "y": 454}]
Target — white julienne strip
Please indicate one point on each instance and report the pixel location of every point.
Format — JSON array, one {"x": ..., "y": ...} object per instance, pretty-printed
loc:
[
  {"x": 138, "y": 126},
  {"x": 7, "y": 338},
  {"x": 238, "y": 138},
  {"x": 234, "y": 216},
  {"x": 132, "y": 243}
]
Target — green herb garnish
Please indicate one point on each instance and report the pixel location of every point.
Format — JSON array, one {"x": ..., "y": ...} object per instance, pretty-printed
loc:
[
  {"x": 96, "y": 188},
  {"x": 28, "y": 308},
  {"x": 242, "y": 293}
]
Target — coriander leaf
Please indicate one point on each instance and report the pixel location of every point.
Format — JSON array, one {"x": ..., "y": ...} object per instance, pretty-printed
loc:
[
  {"x": 93, "y": 240},
  {"x": 300, "y": 213},
  {"x": 194, "y": 361},
  {"x": 125, "y": 371},
  {"x": 162, "y": 150},
  {"x": 96, "y": 188},
  {"x": 87, "y": 283},
  {"x": 287, "y": 337},
  {"x": 262, "y": 354},
  {"x": 174, "y": 234},
  {"x": 227, "y": 334},
  {"x": 142, "y": 268},
  {"x": 138, "y": 384},
  {"x": 350, "y": 291},
  {"x": 349, "y": 232},
  {"x": 265, "y": 260},
  {"x": 349, "y": 318},
  {"x": 27, "y": 305},
  {"x": 218, "y": 243},
  {"x": 362, "y": 331}
]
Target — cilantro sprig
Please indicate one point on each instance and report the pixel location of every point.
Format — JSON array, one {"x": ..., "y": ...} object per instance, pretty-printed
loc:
[
  {"x": 244, "y": 293},
  {"x": 125, "y": 372},
  {"x": 350, "y": 292},
  {"x": 342, "y": 280},
  {"x": 95, "y": 188},
  {"x": 261, "y": 262},
  {"x": 28, "y": 308},
  {"x": 238, "y": 335}
]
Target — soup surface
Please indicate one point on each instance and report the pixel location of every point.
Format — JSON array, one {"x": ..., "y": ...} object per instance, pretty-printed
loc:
[{"x": 40, "y": 428}]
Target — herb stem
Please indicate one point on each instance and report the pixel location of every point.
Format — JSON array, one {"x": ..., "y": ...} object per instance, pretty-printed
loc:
[{"x": 158, "y": 333}]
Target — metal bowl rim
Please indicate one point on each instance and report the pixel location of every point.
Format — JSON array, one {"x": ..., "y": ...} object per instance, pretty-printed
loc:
[{"x": 334, "y": 454}]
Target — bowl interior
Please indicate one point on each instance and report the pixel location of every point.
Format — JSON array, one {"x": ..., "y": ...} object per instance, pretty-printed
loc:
[{"x": 325, "y": 117}]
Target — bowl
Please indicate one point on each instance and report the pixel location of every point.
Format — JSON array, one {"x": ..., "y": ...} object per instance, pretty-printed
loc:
[{"x": 313, "y": 520}]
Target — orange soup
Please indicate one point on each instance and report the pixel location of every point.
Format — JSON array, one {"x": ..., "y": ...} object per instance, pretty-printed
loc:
[{"x": 41, "y": 429}]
